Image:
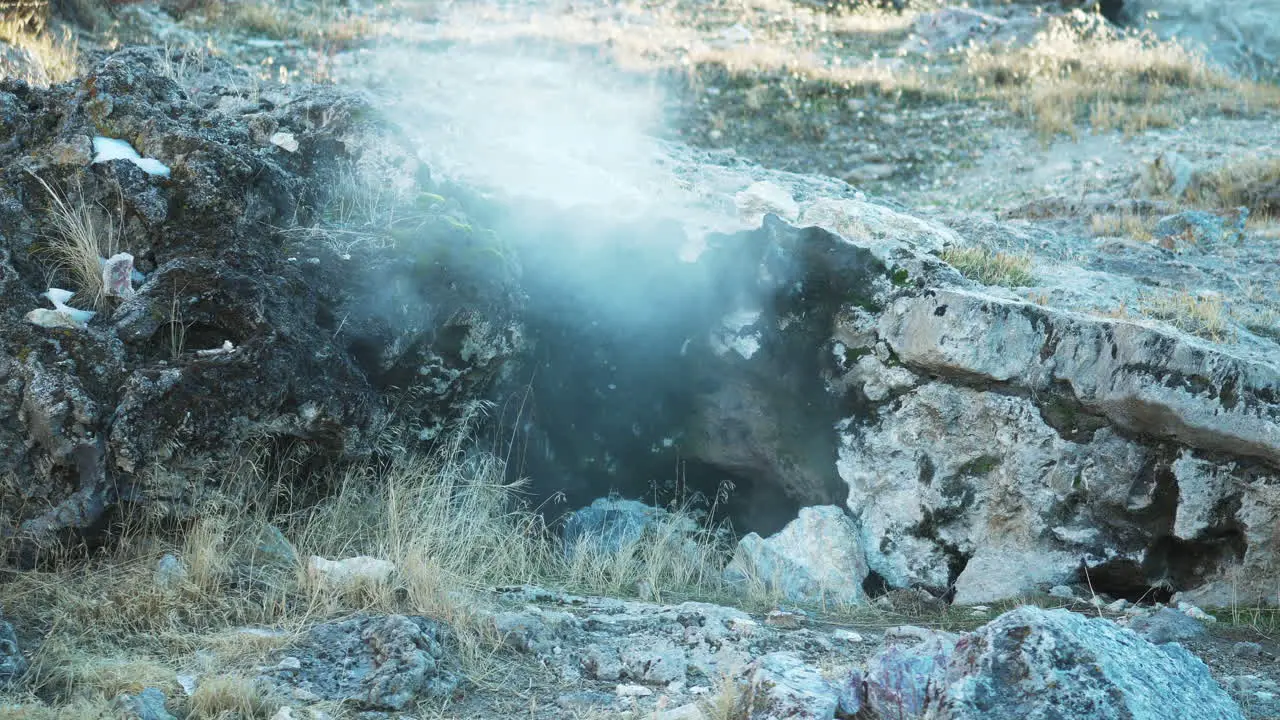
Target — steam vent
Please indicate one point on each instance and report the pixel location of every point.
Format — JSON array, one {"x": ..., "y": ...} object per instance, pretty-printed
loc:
[{"x": 674, "y": 360}]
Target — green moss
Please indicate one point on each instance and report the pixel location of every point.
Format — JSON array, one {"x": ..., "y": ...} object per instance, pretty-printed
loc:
[
  {"x": 899, "y": 277},
  {"x": 980, "y": 466}
]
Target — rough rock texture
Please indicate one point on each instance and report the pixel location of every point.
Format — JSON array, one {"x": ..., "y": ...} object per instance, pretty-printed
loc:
[
  {"x": 1241, "y": 34},
  {"x": 12, "y": 662},
  {"x": 377, "y": 663},
  {"x": 250, "y": 322},
  {"x": 1034, "y": 664},
  {"x": 816, "y": 558}
]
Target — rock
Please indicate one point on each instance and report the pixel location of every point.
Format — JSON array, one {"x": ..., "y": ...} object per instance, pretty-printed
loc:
[
  {"x": 272, "y": 551},
  {"x": 142, "y": 409},
  {"x": 1062, "y": 591},
  {"x": 12, "y": 662},
  {"x": 376, "y": 663},
  {"x": 1026, "y": 663},
  {"x": 350, "y": 573},
  {"x": 146, "y": 705},
  {"x": 657, "y": 662},
  {"x": 816, "y": 558},
  {"x": 1245, "y": 649},
  {"x": 612, "y": 524},
  {"x": 602, "y": 663},
  {"x": 1167, "y": 625},
  {"x": 170, "y": 573},
  {"x": 117, "y": 276},
  {"x": 783, "y": 686},
  {"x": 1199, "y": 231},
  {"x": 762, "y": 198}
]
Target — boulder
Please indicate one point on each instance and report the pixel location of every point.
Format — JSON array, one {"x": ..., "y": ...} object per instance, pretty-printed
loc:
[
  {"x": 817, "y": 557},
  {"x": 1033, "y": 663},
  {"x": 375, "y": 663}
]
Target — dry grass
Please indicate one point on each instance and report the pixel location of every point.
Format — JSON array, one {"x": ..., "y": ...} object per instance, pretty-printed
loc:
[
  {"x": 1205, "y": 316},
  {"x": 1250, "y": 182},
  {"x": 1127, "y": 225},
  {"x": 1078, "y": 70},
  {"x": 327, "y": 26},
  {"x": 80, "y": 242},
  {"x": 227, "y": 697},
  {"x": 450, "y": 522},
  {"x": 990, "y": 268},
  {"x": 49, "y": 58}
]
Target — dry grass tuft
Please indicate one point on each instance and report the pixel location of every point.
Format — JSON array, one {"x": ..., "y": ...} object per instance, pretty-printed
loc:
[
  {"x": 227, "y": 697},
  {"x": 1079, "y": 69},
  {"x": 1205, "y": 316},
  {"x": 81, "y": 242},
  {"x": 1252, "y": 182},
  {"x": 990, "y": 268},
  {"x": 45, "y": 58},
  {"x": 1127, "y": 225}
]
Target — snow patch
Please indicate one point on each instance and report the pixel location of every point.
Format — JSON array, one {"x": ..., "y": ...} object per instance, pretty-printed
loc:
[{"x": 108, "y": 149}]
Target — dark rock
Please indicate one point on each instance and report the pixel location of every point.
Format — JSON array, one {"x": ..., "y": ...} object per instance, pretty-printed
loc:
[
  {"x": 1167, "y": 625},
  {"x": 251, "y": 325}
]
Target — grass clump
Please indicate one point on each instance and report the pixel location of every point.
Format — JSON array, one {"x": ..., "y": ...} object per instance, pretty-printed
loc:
[
  {"x": 1205, "y": 316},
  {"x": 47, "y": 58},
  {"x": 1127, "y": 225},
  {"x": 1252, "y": 182},
  {"x": 990, "y": 268},
  {"x": 80, "y": 242},
  {"x": 1079, "y": 69}
]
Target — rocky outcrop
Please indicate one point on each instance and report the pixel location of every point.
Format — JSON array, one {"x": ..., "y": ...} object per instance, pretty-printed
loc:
[
  {"x": 375, "y": 663},
  {"x": 1032, "y": 663},
  {"x": 249, "y": 321}
]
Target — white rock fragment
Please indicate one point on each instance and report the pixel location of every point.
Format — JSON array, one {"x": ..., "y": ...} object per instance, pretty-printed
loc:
[
  {"x": 62, "y": 315},
  {"x": 187, "y": 683},
  {"x": 285, "y": 141},
  {"x": 848, "y": 636},
  {"x": 225, "y": 349},
  {"x": 633, "y": 691},
  {"x": 52, "y": 319},
  {"x": 761, "y": 198},
  {"x": 117, "y": 276},
  {"x": 108, "y": 149},
  {"x": 351, "y": 572}
]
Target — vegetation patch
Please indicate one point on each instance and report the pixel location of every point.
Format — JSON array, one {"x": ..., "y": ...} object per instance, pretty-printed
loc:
[{"x": 990, "y": 268}]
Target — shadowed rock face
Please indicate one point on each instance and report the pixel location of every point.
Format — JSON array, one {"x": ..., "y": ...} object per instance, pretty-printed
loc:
[{"x": 146, "y": 404}]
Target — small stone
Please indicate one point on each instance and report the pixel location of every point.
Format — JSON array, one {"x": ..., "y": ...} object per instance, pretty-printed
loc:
[
  {"x": 146, "y": 705},
  {"x": 847, "y": 636},
  {"x": 633, "y": 691},
  {"x": 284, "y": 713},
  {"x": 285, "y": 141},
  {"x": 1166, "y": 626},
  {"x": 289, "y": 664},
  {"x": 785, "y": 620},
  {"x": 1062, "y": 591},
  {"x": 1118, "y": 606},
  {"x": 1247, "y": 650},
  {"x": 170, "y": 572}
]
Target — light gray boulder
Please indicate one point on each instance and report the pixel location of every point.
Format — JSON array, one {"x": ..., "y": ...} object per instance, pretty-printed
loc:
[
  {"x": 1034, "y": 664},
  {"x": 816, "y": 558}
]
